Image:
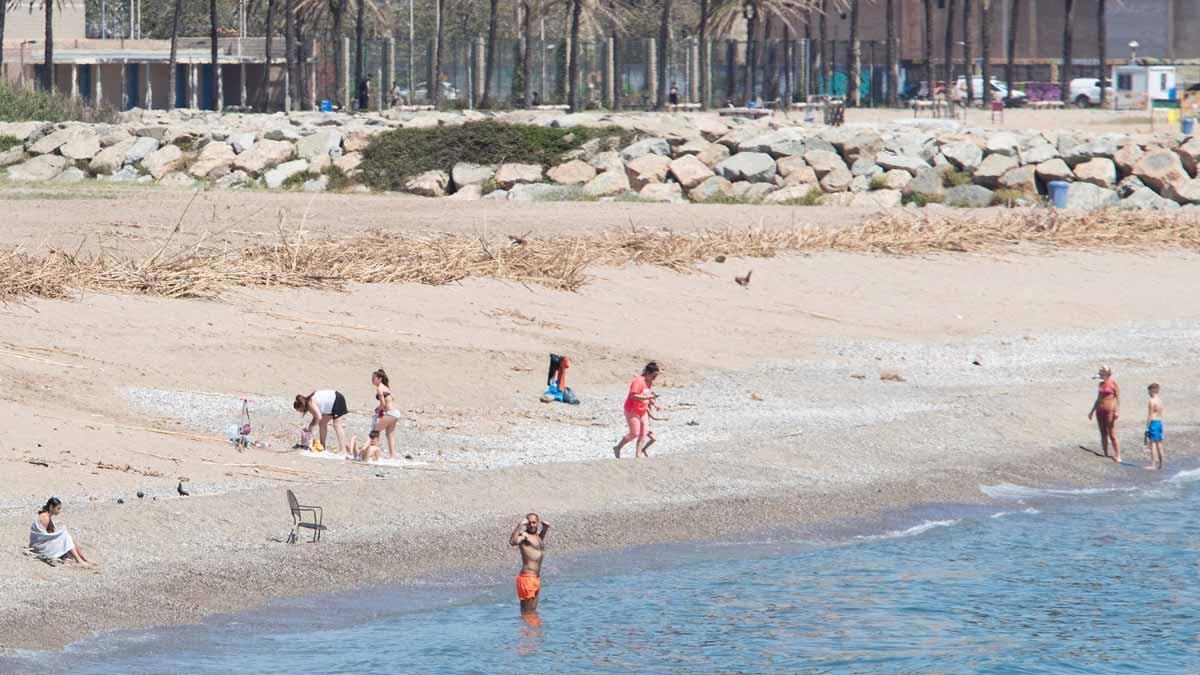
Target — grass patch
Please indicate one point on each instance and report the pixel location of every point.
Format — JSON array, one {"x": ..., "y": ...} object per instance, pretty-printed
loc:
[
  {"x": 1007, "y": 197},
  {"x": 338, "y": 180},
  {"x": 7, "y": 142},
  {"x": 922, "y": 199},
  {"x": 813, "y": 198},
  {"x": 297, "y": 180},
  {"x": 878, "y": 182},
  {"x": 729, "y": 200},
  {"x": 395, "y": 156},
  {"x": 953, "y": 179},
  {"x": 21, "y": 104}
]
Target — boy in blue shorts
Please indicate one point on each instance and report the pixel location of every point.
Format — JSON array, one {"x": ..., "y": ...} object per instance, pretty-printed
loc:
[{"x": 1154, "y": 428}]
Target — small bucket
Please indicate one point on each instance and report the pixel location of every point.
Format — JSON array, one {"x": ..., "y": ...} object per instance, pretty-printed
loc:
[
  {"x": 326, "y": 105},
  {"x": 1058, "y": 193},
  {"x": 1187, "y": 125}
]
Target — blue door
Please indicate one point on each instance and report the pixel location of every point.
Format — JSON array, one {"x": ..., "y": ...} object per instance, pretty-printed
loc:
[
  {"x": 85, "y": 82},
  {"x": 132, "y": 85},
  {"x": 180, "y": 86},
  {"x": 208, "y": 90}
]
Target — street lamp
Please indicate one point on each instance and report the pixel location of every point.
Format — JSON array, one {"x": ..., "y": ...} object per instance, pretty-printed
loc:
[
  {"x": 21, "y": 79},
  {"x": 1133, "y": 45}
]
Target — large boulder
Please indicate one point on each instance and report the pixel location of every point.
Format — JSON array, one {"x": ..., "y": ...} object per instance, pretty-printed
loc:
[
  {"x": 1100, "y": 171},
  {"x": 785, "y": 142},
  {"x": 349, "y": 162},
  {"x": 1037, "y": 153},
  {"x": 751, "y": 192},
  {"x": 509, "y": 175},
  {"x": 141, "y": 148},
  {"x": 215, "y": 155},
  {"x": 1002, "y": 143},
  {"x": 265, "y": 154},
  {"x": 968, "y": 197},
  {"x": 536, "y": 192},
  {"x": 669, "y": 193},
  {"x": 324, "y": 142},
  {"x": 607, "y": 161},
  {"x": 756, "y": 167},
  {"x": 1127, "y": 157},
  {"x": 824, "y": 161},
  {"x": 1189, "y": 154},
  {"x": 895, "y": 179},
  {"x": 24, "y": 131},
  {"x": 163, "y": 161},
  {"x": 890, "y": 161},
  {"x": 54, "y": 140},
  {"x": 689, "y": 171},
  {"x": 648, "y": 146},
  {"x": 804, "y": 176},
  {"x": 838, "y": 180},
  {"x": 69, "y": 176},
  {"x": 468, "y": 173},
  {"x": 81, "y": 147},
  {"x": 13, "y": 155},
  {"x": 992, "y": 168},
  {"x": 574, "y": 172},
  {"x": 878, "y": 199},
  {"x": 714, "y": 188},
  {"x": 428, "y": 184},
  {"x": 927, "y": 185},
  {"x": 713, "y": 155},
  {"x": 608, "y": 184},
  {"x": 856, "y": 144},
  {"x": 40, "y": 168},
  {"x": 468, "y": 193},
  {"x": 242, "y": 141},
  {"x": 866, "y": 167},
  {"x": 647, "y": 169},
  {"x": 283, "y": 133},
  {"x": 1054, "y": 169},
  {"x": 789, "y": 165},
  {"x": 1088, "y": 197},
  {"x": 1160, "y": 168},
  {"x": 1185, "y": 191},
  {"x": 1145, "y": 199},
  {"x": 964, "y": 155},
  {"x": 1021, "y": 179},
  {"x": 793, "y": 194},
  {"x": 110, "y": 159},
  {"x": 275, "y": 178}
]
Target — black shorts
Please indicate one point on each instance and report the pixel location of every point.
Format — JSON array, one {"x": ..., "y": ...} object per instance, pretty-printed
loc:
[
  {"x": 339, "y": 405},
  {"x": 673, "y": 98}
]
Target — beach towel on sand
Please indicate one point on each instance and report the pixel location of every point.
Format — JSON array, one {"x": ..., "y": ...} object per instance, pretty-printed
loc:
[{"x": 49, "y": 544}]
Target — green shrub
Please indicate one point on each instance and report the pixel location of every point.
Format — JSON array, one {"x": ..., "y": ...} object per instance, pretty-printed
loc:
[
  {"x": 21, "y": 104},
  {"x": 956, "y": 179},
  {"x": 878, "y": 182},
  {"x": 296, "y": 180},
  {"x": 813, "y": 198},
  {"x": 338, "y": 180},
  {"x": 397, "y": 155},
  {"x": 7, "y": 142},
  {"x": 922, "y": 199}
]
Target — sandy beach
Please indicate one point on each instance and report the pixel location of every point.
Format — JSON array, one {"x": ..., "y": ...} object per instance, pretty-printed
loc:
[{"x": 836, "y": 388}]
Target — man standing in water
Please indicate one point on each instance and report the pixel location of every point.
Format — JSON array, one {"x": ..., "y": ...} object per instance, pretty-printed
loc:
[{"x": 530, "y": 537}]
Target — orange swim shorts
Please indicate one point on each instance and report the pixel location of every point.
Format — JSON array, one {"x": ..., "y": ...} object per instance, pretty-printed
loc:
[{"x": 528, "y": 586}]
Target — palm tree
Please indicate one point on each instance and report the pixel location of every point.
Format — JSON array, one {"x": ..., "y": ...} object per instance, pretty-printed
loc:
[
  {"x": 702, "y": 32},
  {"x": 751, "y": 51},
  {"x": 360, "y": 54},
  {"x": 664, "y": 52},
  {"x": 289, "y": 47},
  {"x": 929, "y": 47},
  {"x": 3, "y": 13},
  {"x": 212, "y": 21},
  {"x": 171, "y": 67},
  {"x": 434, "y": 86},
  {"x": 489, "y": 61},
  {"x": 48, "y": 54},
  {"x": 822, "y": 40},
  {"x": 1064, "y": 73},
  {"x": 853, "y": 59},
  {"x": 573, "y": 60},
  {"x": 967, "y": 64},
  {"x": 949, "y": 47},
  {"x": 1102, "y": 50},
  {"x": 893, "y": 67},
  {"x": 527, "y": 53},
  {"x": 1011, "y": 68},
  {"x": 264, "y": 97},
  {"x": 985, "y": 48}
]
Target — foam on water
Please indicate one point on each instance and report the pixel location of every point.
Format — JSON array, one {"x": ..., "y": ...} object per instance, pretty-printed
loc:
[
  {"x": 1000, "y": 514},
  {"x": 1021, "y": 492},
  {"x": 912, "y": 531}
]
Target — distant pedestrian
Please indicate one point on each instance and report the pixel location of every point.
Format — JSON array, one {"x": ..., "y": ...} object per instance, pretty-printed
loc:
[
  {"x": 673, "y": 97},
  {"x": 1154, "y": 429},
  {"x": 1107, "y": 410},
  {"x": 364, "y": 94}
]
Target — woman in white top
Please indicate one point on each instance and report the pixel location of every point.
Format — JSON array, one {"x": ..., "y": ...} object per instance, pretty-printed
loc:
[{"x": 325, "y": 406}]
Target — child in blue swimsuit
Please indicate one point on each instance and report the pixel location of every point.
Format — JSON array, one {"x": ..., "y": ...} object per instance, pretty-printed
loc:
[{"x": 1154, "y": 428}]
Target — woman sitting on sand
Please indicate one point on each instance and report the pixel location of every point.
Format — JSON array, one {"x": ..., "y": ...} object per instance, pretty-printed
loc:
[
  {"x": 637, "y": 411},
  {"x": 1107, "y": 410},
  {"x": 325, "y": 406},
  {"x": 386, "y": 414},
  {"x": 47, "y": 541}
]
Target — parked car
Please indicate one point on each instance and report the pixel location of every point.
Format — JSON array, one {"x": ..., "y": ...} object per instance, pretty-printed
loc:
[
  {"x": 1085, "y": 91},
  {"x": 449, "y": 93},
  {"x": 999, "y": 91}
]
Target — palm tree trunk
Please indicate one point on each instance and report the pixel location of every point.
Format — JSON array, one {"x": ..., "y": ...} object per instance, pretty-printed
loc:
[
  {"x": 822, "y": 41},
  {"x": 48, "y": 54},
  {"x": 264, "y": 97},
  {"x": 748, "y": 64},
  {"x": 3, "y": 14},
  {"x": 338, "y": 9},
  {"x": 1064, "y": 73},
  {"x": 929, "y": 77},
  {"x": 1102, "y": 49},
  {"x": 489, "y": 59},
  {"x": 985, "y": 49},
  {"x": 893, "y": 67},
  {"x": 770, "y": 75},
  {"x": 949, "y": 48},
  {"x": 360, "y": 52},
  {"x": 809, "y": 67},
  {"x": 664, "y": 53},
  {"x": 1010, "y": 73},
  {"x": 434, "y": 86},
  {"x": 215, "y": 56},
  {"x": 968, "y": 64},
  {"x": 853, "y": 59},
  {"x": 705, "y": 82},
  {"x": 527, "y": 54},
  {"x": 618, "y": 68},
  {"x": 171, "y": 63},
  {"x": 289, "y": 47},
  {"x": 573, "y": 98}
]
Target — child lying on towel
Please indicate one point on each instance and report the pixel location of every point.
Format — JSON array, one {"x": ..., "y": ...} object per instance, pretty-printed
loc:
[{"x": 369, "y": 452}]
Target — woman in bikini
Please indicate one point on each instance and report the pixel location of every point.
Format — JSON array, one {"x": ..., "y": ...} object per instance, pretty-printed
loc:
[
  {"x": 1107, "y": 410},
  {"x": 386, "y": 414}
]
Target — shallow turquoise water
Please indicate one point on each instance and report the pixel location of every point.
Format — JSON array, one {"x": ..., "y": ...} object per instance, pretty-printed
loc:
[{"x": 1072, "y": 582}]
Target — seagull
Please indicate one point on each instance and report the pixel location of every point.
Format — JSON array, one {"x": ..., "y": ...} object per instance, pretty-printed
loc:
[
  {"x": 180, "y": 490},
  {"x": 744, "y": 282}
]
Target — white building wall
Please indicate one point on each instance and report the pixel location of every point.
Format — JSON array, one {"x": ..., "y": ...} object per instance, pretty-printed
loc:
[{"x": 21, "y": 25}]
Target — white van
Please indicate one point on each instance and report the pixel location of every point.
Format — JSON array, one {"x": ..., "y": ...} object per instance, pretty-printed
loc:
[
  {"x": 1085, "y": 92},
  {"x": 999, "y": 90}
]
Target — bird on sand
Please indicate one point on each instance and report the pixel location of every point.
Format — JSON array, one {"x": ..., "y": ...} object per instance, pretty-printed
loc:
[
  {"x": 744, "y": 282},
  {"x": 180, "y": 490}
]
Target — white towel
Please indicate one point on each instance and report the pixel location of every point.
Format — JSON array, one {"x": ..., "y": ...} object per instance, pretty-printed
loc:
[{"x": 49, "y": 544}]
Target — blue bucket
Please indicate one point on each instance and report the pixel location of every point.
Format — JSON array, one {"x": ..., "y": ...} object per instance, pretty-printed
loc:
[
  {"x": 1187, "y": 125},
  {"x": 326, "y": 105},
  {"x": 1058, "y": 193}
]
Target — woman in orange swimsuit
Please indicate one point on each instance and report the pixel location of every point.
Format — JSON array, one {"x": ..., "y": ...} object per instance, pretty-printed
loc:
[{"x": 1107, "y": 410}]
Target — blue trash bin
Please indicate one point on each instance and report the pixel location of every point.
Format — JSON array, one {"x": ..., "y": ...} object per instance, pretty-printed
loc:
[
  {"x": 1058, "y": 193},
  {"x": 1187, "y": 125},
  {"x": 326, "y": 105}
]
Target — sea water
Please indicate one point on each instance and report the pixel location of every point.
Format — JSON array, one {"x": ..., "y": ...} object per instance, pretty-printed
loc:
[{"x": 1044, "y": 581}]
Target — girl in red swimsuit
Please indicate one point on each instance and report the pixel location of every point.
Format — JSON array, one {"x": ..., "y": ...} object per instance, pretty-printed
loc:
[{"x": 1107, "y": 410}]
